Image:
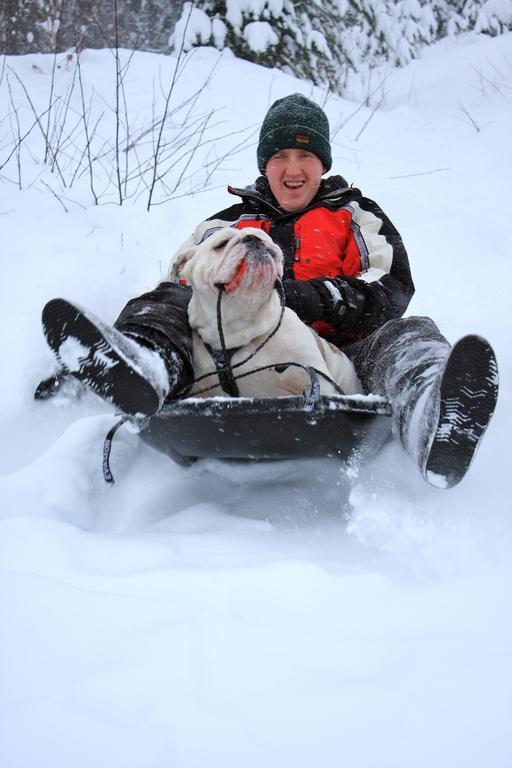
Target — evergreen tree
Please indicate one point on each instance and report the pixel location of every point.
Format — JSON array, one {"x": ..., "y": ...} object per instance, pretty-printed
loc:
[
  {"x": 28, "y": 26},
  {"x": 322, "y": 40},
  {"x": 48, "y": 25},
  {"x": 297, "y": 36}
]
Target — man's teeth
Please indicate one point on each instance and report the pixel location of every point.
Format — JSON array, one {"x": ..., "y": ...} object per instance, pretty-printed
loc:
[{"x": 293, "y": 184}]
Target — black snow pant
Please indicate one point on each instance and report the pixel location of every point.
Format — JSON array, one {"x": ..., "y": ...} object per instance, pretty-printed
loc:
[
  {"x": 158, "y": 319},
  {"x": 398, "y": 361}
]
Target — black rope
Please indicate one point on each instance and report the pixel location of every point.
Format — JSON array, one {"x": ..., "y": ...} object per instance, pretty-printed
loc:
[
  {"x": 226, "y": 371},
  {"x": 280, "y": 368},
  {"x": 279, "y": 287},
  {"x": 218, "y": 358},
  {"x": 107, "y": 448}
]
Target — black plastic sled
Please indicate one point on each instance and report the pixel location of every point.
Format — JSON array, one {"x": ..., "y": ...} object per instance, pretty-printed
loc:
[{"x": 271, "y": 428}]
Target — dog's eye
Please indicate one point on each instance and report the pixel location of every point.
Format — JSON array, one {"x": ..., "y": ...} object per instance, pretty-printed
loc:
[{"x": 221, "y": 245}]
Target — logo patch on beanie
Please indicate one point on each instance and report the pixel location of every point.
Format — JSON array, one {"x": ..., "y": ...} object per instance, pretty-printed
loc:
[{"x": 300, "y": 138}]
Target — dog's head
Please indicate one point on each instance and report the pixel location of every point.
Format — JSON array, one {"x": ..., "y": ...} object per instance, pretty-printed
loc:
[
  {"x": 245, "y": 261},
  {"x": 245, "y": 264}
]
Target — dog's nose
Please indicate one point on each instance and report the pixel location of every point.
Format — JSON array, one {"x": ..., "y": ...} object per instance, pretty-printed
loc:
[{"x": 251, "y": 239}]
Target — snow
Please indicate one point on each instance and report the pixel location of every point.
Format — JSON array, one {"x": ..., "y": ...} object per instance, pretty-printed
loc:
[
  {"x": 193, "y": 27},
  {"x": 260, "y": 36},
  {"x": 72, "y": 351},
  {"x": 297, "y": 613}
]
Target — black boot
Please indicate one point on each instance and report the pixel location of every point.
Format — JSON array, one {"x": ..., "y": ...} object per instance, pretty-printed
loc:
[
  {"x": 125, "y": 373},
  {"x": 451, "y": 416}
]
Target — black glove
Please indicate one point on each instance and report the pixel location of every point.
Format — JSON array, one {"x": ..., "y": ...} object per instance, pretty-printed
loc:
[
  {"x": 345, "y": 301},
  {"x": 335, "y": 300},
  {"x": 303, "y": 297}
]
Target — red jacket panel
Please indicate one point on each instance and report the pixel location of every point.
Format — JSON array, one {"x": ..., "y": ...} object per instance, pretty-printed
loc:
[{"x": 324, "y": 244}]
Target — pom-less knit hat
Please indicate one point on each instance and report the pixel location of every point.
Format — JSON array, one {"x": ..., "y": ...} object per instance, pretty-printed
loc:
[{"x": 298, "y": 123}]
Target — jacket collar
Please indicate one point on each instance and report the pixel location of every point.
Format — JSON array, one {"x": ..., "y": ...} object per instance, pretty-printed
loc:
[{"x": 258, "y": 195}]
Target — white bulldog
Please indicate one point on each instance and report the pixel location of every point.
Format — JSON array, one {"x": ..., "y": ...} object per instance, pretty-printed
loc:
[{"x": 247, "y": 263}]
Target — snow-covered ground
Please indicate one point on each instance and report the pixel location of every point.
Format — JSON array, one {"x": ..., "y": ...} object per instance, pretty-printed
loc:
[{"x": 295, "y": 614}]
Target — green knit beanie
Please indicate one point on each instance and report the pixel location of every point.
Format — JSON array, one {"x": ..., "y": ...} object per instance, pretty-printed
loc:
[{"x": 298, "y": 123}]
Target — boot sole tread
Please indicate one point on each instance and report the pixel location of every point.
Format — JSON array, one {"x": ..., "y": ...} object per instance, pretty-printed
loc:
[
  {"x": 468, "y": 394},
  {"x": 103, "y": 368}
]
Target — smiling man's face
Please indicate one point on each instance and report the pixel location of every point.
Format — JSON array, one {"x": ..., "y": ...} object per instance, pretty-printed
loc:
[{"x": 294, "y": 176}]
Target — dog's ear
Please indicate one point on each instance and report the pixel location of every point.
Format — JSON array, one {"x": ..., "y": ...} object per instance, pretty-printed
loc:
[{"x": 179, "y": 263}]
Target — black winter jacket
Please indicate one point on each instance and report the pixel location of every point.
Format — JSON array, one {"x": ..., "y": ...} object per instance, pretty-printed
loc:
[{"x": 351, "y": 305}]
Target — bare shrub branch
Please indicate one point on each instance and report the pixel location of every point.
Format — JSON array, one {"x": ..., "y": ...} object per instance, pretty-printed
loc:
[
  {"x": 21, "y": 140},
  {"x": 469, "y": 117},
  {"x": 86, "y": 129},
  {"x": 176, "y": 151},
  {"x": 57, "y": 197},
  {"x": 370, "y": 116},
  {"x": 18, "y": 134},
  {"x": 118, "y": 88},
  {"x": 52, "y": 87},
  {"x": 38, "y": 117},
  {"x": 166, "y": 109}
]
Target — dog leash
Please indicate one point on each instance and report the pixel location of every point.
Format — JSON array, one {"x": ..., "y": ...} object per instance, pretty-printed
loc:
[
  {"x": 227, "y": 369},
  {"x": 222, "y": 360},
  {"x": 228, "y": 380}
]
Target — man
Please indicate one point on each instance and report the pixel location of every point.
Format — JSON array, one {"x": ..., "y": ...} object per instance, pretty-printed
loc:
[{"x": 346, "y": 273}]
